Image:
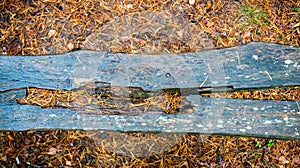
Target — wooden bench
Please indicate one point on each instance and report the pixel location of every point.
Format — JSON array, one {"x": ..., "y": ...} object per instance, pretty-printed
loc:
[{"x": 254, "y": 65}]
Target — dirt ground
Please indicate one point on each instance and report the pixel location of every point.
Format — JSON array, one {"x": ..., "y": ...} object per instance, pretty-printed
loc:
[{"x": 31, "y": 27}]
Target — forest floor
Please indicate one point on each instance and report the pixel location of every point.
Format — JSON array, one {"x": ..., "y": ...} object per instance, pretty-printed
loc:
[{"x": 53, "y": 27}]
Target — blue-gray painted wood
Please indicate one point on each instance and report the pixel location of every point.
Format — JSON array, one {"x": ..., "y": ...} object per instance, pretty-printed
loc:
[
  {"x": 251, "y": 65},
  {"x": 243, "y": 66},
  {"x": 262, "y": 118}
]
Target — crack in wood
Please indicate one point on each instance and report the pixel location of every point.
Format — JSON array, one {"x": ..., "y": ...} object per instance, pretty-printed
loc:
[{"x": 104, "y": 98}]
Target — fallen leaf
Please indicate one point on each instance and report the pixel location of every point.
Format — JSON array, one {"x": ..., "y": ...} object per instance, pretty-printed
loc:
[
  {"x": 52, "y": 151},
  {"x": 68, "y": 163},
  {"x": 70, "y": 46},
  {"x": 296, "y": 160},
  {"x": 296, "y": 25},
  {"x": 210, "y": 24},
  {"x": 191, "y": 2},
  {"x": 10, "y": 138},
  {"x": 247, "y": 36},
  {"x": 129, "y": 6},
  {"x": 51, "y": 33},
  {"x": 283, "y": 160},
  {"x": 4, "y": 158}
]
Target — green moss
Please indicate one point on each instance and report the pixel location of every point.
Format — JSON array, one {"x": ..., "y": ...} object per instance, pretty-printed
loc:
[
  {"x": 270, "y": 143},
  {"x": 254, "y": 15}
]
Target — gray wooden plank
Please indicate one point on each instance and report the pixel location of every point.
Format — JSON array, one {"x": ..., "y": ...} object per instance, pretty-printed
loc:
[
  {"x": 262, "y": 118},
  {"x": 250, "y": 65}
]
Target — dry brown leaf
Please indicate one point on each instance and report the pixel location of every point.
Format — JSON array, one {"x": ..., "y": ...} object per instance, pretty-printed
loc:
[
  {"x": 283, "y": 160},
  {"x": 51, "y": 33},
  {"x": 9, "y": 137},
  {"x": 52, "y": 151},
  {"x": 191, "y": 2},
  {"x": 70, "y": 46},
  {"x": 247, "y": 36}
]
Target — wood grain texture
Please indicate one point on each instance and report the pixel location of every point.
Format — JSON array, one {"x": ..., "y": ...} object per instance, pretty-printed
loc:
[{"x": 250, "y": 65}]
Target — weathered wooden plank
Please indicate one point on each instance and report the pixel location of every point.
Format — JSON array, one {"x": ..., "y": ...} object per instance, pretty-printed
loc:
[
  {"x": 251, "y": 65},
  {"x": 262, "y": 118}
]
